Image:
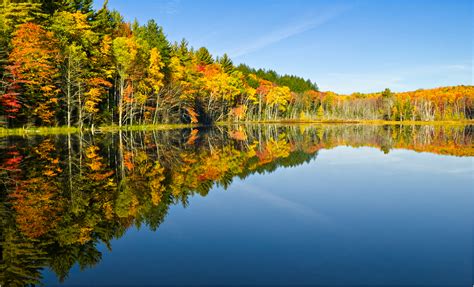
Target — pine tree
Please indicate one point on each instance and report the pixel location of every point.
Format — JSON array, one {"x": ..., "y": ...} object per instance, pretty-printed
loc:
[
  {"x": 155, "y": 37},
  {"x": 226, "y": 63},
  {"x": 203, "y": 56}
]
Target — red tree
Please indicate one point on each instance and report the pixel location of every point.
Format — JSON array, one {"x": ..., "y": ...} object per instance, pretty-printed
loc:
[{"x": 32, "y": 74}]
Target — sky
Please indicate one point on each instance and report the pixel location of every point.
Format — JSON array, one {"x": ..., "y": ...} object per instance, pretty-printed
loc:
[{"x": 343, "y": 46}]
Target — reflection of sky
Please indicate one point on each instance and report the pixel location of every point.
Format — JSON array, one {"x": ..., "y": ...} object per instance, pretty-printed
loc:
[{"x": 352, "y": 216}]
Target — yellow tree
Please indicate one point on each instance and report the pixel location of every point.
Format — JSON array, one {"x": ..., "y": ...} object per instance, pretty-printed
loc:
[
  {"x": 156, "y": 78},
  {"x": 125, "y": 51},
  {"x": 277, "y": 100},
  {"x": 220, "y": 89}
]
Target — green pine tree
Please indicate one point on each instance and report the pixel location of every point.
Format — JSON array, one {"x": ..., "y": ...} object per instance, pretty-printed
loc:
[{"x": 226, "y": 63}]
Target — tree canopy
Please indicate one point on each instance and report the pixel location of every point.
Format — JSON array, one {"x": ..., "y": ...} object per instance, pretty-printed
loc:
[{"x": 64, "y": 63}]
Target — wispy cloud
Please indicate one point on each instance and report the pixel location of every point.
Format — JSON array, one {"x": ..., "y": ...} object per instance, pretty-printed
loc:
[
  {"x": 397, "y": 79},
  {"x": 363, "y": 82},
  {"x": 290, "y": 206},
  {"x": 457, "y": 67},
  {"x": 170, "y": 7},
  {"x": 287, "y": 32}
]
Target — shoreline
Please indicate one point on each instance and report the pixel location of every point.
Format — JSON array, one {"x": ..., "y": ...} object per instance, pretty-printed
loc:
[
  {"x": 364, "y": 122},
  {"x": 107, "y": 129}
]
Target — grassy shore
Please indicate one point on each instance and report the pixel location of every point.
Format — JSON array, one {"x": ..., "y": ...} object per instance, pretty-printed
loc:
[
  {"x": 37, "y": 131},
  {"x": 364, "y": 122},
  {"x": 104, "y": 129}
]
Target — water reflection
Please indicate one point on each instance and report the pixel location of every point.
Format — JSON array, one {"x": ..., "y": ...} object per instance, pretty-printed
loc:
[{"x": 62, "y": 196}]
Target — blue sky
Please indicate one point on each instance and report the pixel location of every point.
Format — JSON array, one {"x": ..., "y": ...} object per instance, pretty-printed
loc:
[{"x": 344, "y": 46}]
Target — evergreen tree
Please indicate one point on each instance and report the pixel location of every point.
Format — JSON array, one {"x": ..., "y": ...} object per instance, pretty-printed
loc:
[
  {"x": 203, "y": 56},
  {"x": 226, "y": 63},
  {"x": 154, "y": 36}
]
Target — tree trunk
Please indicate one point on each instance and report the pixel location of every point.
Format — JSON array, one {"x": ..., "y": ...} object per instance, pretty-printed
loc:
[
  {"x": 68, "y": 92},
  {"x": 120, "y": 101},
  {"x": 80, "y": 108}
]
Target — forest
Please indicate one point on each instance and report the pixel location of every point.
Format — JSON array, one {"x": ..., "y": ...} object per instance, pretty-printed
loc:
[{"x": 62, "y": 63}]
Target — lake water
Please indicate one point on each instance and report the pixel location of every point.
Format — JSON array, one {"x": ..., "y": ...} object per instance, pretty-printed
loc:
[{"x": 335, "y": 205}]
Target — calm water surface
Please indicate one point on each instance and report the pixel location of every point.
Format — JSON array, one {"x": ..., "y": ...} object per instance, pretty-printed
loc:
[{"x": 255, "y": 205}]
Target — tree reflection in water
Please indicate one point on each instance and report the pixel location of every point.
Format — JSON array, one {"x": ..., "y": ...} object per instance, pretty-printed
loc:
[{"x": 63, "y": 195}]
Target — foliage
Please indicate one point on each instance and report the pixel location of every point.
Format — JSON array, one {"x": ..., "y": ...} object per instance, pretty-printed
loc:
[
  {"x": 32, "y": 73},
  {"x": 63, "y": 63}
]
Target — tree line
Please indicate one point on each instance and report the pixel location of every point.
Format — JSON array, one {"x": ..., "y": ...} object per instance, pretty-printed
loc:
[{"x": 64, "y": 63}]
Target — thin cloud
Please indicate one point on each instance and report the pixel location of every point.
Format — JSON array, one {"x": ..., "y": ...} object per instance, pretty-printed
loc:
[
  {"x": 457, "y": 67},
  {"x": 283, "y": 203},
  {"x": 363, "y": 82},
  {"x": 404, "y": 79},
  {"x": 171, "y": 7},
  {"x": 287, "y": 32}
]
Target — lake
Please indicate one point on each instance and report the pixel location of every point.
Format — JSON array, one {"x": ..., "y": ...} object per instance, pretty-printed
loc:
[{"x": 326, "y": 205}]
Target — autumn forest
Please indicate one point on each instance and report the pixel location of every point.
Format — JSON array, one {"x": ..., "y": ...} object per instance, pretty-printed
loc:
[
  {"x": 130, "y": 157},
  {"x": 65, "y": 64}
]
